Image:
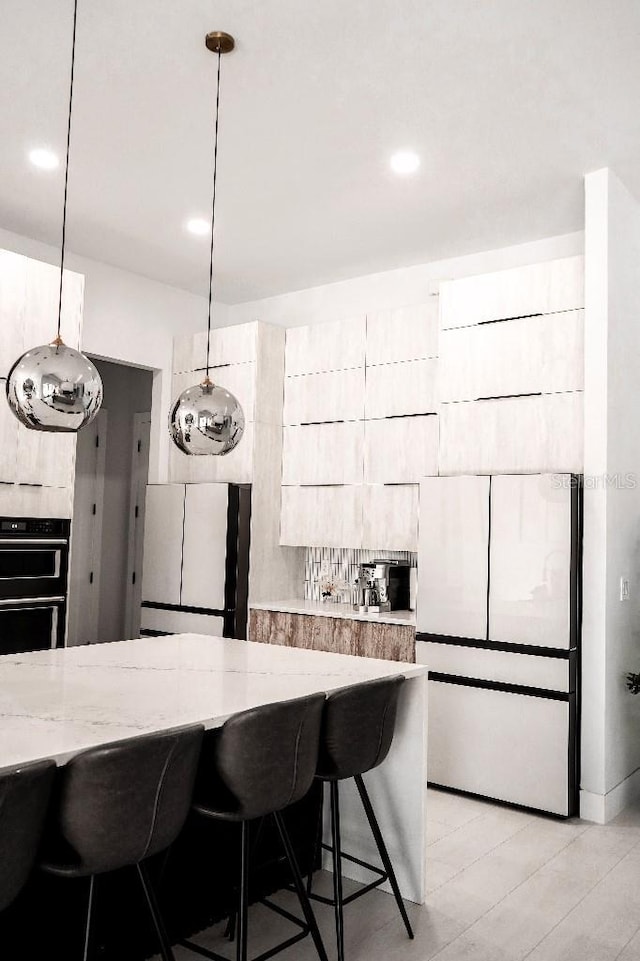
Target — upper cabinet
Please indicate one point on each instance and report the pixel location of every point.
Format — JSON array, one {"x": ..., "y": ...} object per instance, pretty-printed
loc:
[
  {"x": 406, "y": 387},
  {"x": 36, "y": 468},
  {"x": 530, "y": 355},
  {"x": 321, "y": 347},
  {"x": 229, "y": 345},
  {"x": 545, "y": 288},
  {"x": 321, "y": 398},
  {"x": 248, "y": 360},
  {"x": 405, "y": 333}
]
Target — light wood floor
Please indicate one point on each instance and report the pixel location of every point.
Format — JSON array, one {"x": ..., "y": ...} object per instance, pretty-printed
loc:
[{"x": 503, "y": 886}]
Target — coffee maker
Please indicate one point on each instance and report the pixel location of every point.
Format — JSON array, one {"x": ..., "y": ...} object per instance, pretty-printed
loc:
[{"x": 382, "y": 586}]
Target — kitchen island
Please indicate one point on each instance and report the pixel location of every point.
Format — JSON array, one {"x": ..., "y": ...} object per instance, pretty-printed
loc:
[{"x": 57, "y": 703}]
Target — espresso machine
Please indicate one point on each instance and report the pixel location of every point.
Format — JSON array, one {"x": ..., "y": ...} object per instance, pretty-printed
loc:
[{"x": 381, "y": 586}]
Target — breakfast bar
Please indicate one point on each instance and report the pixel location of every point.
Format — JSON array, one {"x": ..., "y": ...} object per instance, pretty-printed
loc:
[{"x": 54, "y": 704}]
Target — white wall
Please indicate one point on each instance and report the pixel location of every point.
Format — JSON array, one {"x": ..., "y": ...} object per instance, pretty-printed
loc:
[
  {"x": 131, "y": 319},
  {"x": 395, "y": 288},
  {"x": 611, "y": 631}
]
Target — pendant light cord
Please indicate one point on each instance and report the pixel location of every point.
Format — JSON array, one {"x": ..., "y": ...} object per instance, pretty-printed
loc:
[
  {"x": 58, "y": 339},
  {"x": 213, "y": 208}
]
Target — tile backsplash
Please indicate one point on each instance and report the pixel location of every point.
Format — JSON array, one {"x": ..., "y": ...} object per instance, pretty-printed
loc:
[{"x": 339, "y": 565}]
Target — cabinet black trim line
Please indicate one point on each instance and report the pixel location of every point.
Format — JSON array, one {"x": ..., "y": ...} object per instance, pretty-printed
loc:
[
  {"x": 157, "y": 606},
  {"x": 557, "y": 652},
  {"x": 499, "y": 686}
]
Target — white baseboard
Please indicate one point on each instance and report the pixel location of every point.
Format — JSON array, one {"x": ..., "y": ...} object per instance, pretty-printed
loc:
[{"x": 602, "y": 808}]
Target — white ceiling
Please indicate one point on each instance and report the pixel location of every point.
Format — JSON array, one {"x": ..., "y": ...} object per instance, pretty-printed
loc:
[{"x": 508, "y": 102}]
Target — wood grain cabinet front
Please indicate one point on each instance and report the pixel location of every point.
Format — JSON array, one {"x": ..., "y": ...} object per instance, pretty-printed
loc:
[{"x": 337, "y": 635}]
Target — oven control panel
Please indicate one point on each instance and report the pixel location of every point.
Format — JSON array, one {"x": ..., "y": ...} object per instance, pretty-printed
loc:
[{"x": 34, "y": 526}]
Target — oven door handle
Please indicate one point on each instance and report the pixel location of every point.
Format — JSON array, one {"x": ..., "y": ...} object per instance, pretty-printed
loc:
[
  {"x": 34, "y": 541},
  {"x": 18, "y": 602}
]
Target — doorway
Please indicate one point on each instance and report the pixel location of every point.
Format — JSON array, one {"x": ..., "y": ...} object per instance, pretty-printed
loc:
[{"x": 112, "y": 465}]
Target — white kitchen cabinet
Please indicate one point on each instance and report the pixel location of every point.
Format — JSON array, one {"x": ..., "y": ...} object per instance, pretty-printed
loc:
[
  {"x": 236, "y": 467},
  {"x": 319, "y": 398},
  {"x": 323, "y": 453},
  {"x": 453, "y": 573},
  {"x": 504, "y": 667},
  {"x": 509, "y": 747},
  {"x": 41, "y": 306},
  {"x": 25, "y": 500},
  {"x": 403, "y": 333},
  {"x": 44, "y": 458},
  {"x": 390, "y": 517},
  {"x": 321, "y": 516},
  {"x": 528, "y": 355},
  {"x": 514, "y": 435},
  {"x": 337, "y": 345},
  {"x": 408, "y": 387},
  {"x": 229, "y": 345},
  {"x": 239, "y": 379},
  {"x": 8, "y": 440},
  {"x": 530, "y": 559},
  {"x": 13, "y": 294},
  {"x": 400, "y": 450},
  {"x": 519, "y": 292},
  {"x": 164, "y": 522},
  {"x": 205, "y": 523}
]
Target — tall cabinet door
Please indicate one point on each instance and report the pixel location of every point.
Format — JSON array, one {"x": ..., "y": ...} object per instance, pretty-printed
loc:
[
  {"x": 453, "y": 556},
  {"x": 204, "y": 551},
  {"x": 164, "y": 518},
  {"x": 531, "y": 539}
]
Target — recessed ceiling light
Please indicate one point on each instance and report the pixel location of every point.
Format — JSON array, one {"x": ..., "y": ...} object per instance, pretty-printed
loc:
[
  {"x": 198, "y": 226},
  {"x": 405, "y": 162},
  {"x": 43, "y": 158}
]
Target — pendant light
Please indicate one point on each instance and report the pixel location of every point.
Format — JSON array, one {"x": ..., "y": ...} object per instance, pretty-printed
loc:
[
  {"x": 207, "y": 419},
  {"x": 54, "y": 387}
]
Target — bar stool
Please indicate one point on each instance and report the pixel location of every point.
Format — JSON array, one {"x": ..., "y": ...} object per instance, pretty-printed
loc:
[
  {"x": 24, "y": 796},
  {"x": 357, "y": 731},
  {"x": 264, "y": 759},
  {"x": 115, "y": 806}
]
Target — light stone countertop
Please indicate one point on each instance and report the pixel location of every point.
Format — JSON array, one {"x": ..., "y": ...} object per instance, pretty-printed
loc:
[
  {"x": 57, "y": 703},
  {"x": 331, "y": 609}
]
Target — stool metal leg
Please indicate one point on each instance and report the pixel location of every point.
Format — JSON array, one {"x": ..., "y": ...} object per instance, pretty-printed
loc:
[
  {"x": 154, "y": 911},
  {"x": 382, "y": 849},
  {"x": 337, "y": 867},
  {"x": 243, "y": 905},
  {"x": 300, "y": 891},
  {"x": 87, "y": 929}
]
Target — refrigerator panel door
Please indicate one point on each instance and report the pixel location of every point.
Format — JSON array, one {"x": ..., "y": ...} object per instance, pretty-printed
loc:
[
  {"x": 509, "y": 747},
  {"x": 529, "y": 598},
  {"x": 528, "y": 670},
  {"x": 205, "y": 546},
  {"x": 162, "y": 558},
  {"x": 180, "y": 622},
  {"x": 453, "y": 556}
]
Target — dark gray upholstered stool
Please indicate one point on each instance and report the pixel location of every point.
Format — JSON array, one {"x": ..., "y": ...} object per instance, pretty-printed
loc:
[
  {"x": 117, "y": 805},
  {"x": 24, "y": 797},
  {"x": 263, "y": 760},
  {"x": 357, "y": 731}
]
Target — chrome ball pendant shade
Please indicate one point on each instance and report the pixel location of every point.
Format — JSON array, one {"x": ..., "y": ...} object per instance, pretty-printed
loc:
[
  {"x": 206, "y": 419},
  {"x": 54, "y": 388}
]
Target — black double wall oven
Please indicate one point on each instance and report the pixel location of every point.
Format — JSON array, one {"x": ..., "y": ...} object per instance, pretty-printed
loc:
[{"x": 34, "y": 562}]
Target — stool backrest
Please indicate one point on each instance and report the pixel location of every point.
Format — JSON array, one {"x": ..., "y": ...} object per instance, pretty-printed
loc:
[
  {"x": 24, "y": 797},
  {"x": 266, "y": 757},
  {"x": 123, "y": 802},
  {"x": 357, "y": 728}
]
